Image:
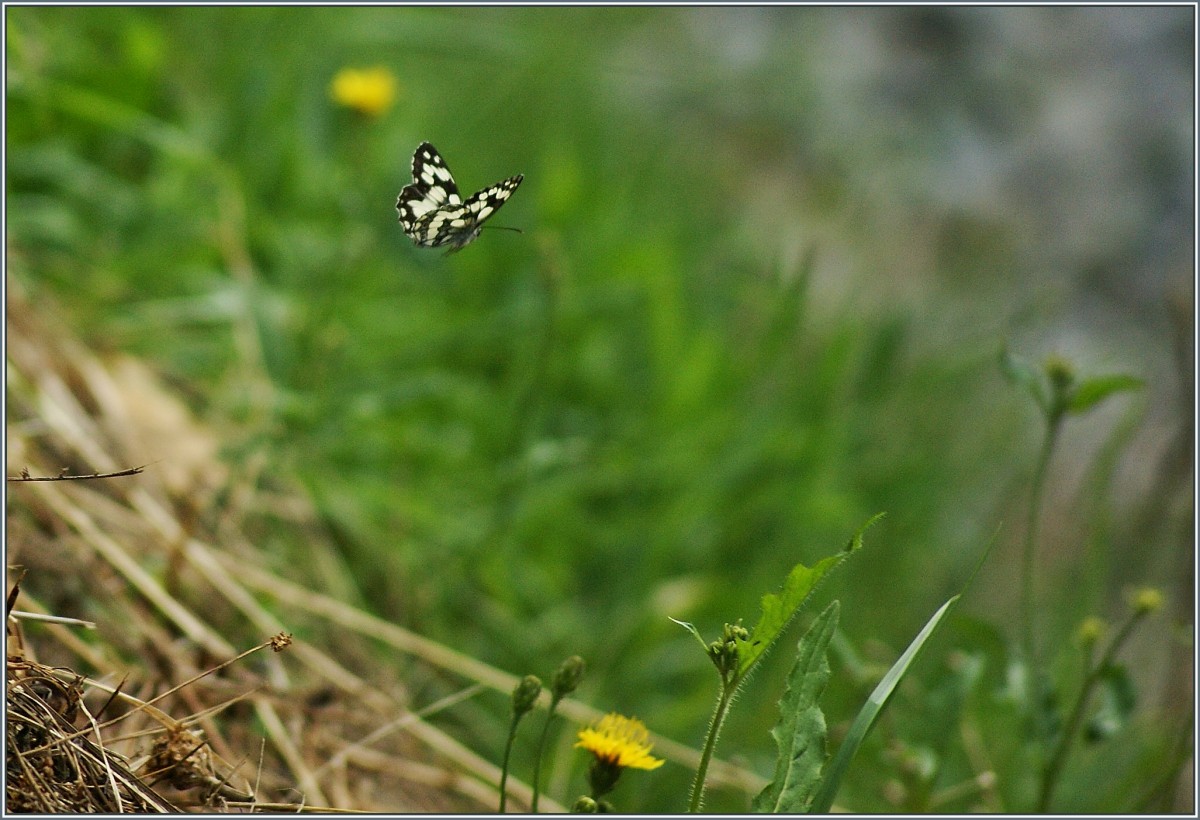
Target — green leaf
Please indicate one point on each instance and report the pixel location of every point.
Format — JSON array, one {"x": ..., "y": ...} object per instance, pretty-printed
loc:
[
  {"x": 1118, "y": 698},
  {"x": 1093, "y": 391},
  {"x": 690, "y": 627},
  {"x": 779, "y": 609},
  {"x": 871, "y": 711},
  {"x": 800, "y": 733},
  {"x": 1020, "y": 372}
]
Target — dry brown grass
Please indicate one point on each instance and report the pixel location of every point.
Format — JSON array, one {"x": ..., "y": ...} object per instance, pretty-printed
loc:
[{"x": 155, "y": 709}]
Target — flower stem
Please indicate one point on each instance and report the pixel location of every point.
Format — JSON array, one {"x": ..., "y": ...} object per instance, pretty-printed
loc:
[
  {"x": 1054, "y": 767},
  {"x": 1028, "y": 605},
  {"x": 710, "y": 743},
  {"x": 1036, "y": 684},
  {"x": 512, "y": 736},
  {"x": 537, "y": 757}
]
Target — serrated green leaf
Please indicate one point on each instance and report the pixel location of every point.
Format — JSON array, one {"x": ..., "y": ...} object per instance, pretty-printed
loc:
[
  {"x": 800, "y": 733},
  {"x": 779, "y": 609},
  {"x": 1092, "y": 391},
  {"x": 871, "y": 711}
]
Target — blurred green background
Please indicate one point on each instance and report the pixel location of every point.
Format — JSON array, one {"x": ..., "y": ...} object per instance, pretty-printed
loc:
[{"x": 770, "y": 256}]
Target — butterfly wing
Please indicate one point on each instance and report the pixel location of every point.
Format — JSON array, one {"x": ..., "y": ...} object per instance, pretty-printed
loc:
[
  {"x": 486, "y": 202},
  {"x": 432, "y": 188},
  {"x": 431, "y": 211},
  {"x": 432, "y": 176}
]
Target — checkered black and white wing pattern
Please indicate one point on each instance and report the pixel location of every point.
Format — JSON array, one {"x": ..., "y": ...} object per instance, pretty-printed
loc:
[{"x": 431, "y": 211}]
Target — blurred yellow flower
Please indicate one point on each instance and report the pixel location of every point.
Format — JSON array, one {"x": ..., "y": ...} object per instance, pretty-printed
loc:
[
  {"x": 1090, "y": 631},
  {"x": 1146, "y": 600},
  {"x": 369, "y": 91},
  {"x": 619, "y": 741}
]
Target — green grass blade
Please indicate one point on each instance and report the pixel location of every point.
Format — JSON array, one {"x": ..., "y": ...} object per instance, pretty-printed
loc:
[
  {"x": 800, "y": 733},
  {"x": 871, "y": 711}
]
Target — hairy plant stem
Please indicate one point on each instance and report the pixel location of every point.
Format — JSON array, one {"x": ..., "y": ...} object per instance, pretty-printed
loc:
[{"x": 710, "y": 743}]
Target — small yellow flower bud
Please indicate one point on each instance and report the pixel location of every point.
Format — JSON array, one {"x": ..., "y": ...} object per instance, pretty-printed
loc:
[
  {"x": 1060, "y": 371},
  {"x": 1090, "y": 631},
  {"x": 1147, "y": 600}
]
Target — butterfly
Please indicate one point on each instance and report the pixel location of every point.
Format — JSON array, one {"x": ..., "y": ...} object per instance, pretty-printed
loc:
[{"x": 433, "y": 214}]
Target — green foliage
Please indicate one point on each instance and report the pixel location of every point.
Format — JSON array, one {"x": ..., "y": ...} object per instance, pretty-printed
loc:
[
  {"x": 1091, "y": 392},
  {"x": 738, "y": 649},
  {"x": 823, "y": 800},
  {"x": 1059, "y": 394},
  {"x": 1117, "y": 698},
  {"x": 800, "y": 733},
  {"x": 778, "y": 609},
  {"x": 1022, "y": 372},
  {"x": 1056, "y": 389}
]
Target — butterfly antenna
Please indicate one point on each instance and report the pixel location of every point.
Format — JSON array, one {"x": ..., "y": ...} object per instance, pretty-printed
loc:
[{"x": 503, "y": 228}]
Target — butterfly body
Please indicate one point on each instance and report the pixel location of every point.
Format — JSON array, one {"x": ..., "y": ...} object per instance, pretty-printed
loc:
[{"x": 431, "y": 211}]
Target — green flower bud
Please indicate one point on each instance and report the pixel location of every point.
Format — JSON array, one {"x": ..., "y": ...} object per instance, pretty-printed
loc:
[
  {"x": 1060, "y": 372},
  {"x": 525, "y": 694},
  {"x": 584, "y": 805},
  {"x": 567, "y": 677},
  {"x": 724, "y": 653}
]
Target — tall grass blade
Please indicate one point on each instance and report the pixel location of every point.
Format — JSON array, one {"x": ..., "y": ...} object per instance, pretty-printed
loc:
[{"x": 871, "y": 711}]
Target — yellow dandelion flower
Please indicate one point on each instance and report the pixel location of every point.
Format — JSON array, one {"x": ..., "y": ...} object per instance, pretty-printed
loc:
[
  {"x": 619, "y": 741},
  {"x": 369, "y": 91}
]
